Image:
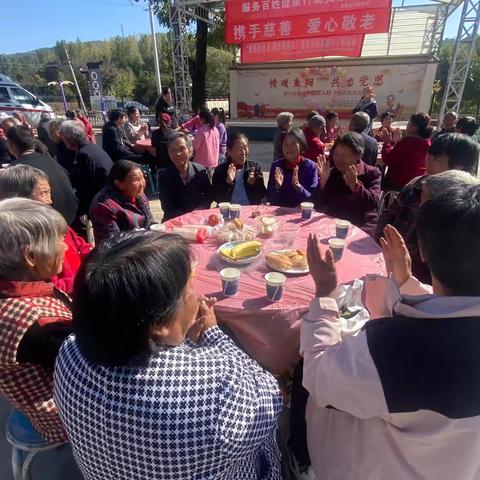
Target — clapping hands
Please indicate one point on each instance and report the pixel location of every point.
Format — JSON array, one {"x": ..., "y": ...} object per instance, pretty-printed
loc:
[
  {"x": 397, "y": 258},
  {"x": 324, "y": 170},
  {"x": 351, "y": 177},
  {"x": 295, "y": 181},
  {"x": 251, "y": 176},
  {"x": 231, "y": 173},
  {"x": 205, "y": 319},
  {"x": 322, "y": 268},
  {"x": 278, "y": 178}
]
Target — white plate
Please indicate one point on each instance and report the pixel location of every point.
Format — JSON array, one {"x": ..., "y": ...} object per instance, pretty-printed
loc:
[
  {"x": 293, "y": 271},
  {"x": 243, "y": 261}
]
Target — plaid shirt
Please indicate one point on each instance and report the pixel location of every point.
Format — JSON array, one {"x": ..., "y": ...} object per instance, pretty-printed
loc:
[
  {"x": 28, "y": 386},
  {"x": 204, "y": 411},
  {"x": 111, "y": 212}
]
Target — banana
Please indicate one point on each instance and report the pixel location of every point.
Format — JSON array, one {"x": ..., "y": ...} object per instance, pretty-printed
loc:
[{"x": 245, "y": 249}]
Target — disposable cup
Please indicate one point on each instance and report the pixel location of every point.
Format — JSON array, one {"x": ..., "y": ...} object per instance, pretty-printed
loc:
[
  {"x": 158, "y": 227},
  {"x": 336, "y": 246},
  {"x": 307, "y": 210},
  {"x": 235, "y": 210},
  {"x": 342, "y": 227},
  {"x": 275, "y": 283},
  {"x": 230, "y": 278},
  {"x": 224, "y": 210}
]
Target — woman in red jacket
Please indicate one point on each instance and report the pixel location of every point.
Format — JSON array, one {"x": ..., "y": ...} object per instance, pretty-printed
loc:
[
  {"x": 408, "y": 158},
  {"x": 30, "y": 182}
]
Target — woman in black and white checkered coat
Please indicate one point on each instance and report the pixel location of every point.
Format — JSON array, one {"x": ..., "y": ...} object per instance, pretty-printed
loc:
[{"x": 150, "y": 387}]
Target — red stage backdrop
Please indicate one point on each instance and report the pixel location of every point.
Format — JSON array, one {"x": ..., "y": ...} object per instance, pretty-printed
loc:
[
  {"x": 301, "y": 48},
  {"x": 238, "y": 11}
]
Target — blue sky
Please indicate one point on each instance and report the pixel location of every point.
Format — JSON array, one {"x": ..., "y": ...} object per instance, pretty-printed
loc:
[{"x": 31, "y": 24}]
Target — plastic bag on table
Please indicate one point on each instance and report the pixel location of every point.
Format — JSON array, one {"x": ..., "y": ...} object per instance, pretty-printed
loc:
[{"x": 353, "y": 313}]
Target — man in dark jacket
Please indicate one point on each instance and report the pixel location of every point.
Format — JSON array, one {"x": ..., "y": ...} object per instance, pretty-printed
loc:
[
  {"x": 114, "y": 141},
  {"x": 184, "y": 186},
  {"x": 359, "y": 123},
  {"x": 165, "y": 105},
  {"x": 93, "y": 163},
  {"x": 21, "y": 143}
]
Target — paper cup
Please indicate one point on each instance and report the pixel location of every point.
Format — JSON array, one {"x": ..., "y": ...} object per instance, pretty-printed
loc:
[
  {"x": 235, "y": 210},
  {"x": 307, "y": 210},
  {"x": 342, "y": 227},
  {"x": 158, "y": 227},
  {"x": 224, "y": 210},
  {"x": 230, "y": 278},
  {"x": 275, "y": 283},
  {"x": 336, "y": 246}
]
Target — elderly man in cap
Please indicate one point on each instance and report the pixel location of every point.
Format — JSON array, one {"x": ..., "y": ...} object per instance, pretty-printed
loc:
[
  {"x": 359, "y": 123},
  {"x": 314, "y": 129}
]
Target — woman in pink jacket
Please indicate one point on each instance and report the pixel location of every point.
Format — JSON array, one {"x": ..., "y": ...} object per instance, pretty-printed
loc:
[{"x": 206, "y": 143}]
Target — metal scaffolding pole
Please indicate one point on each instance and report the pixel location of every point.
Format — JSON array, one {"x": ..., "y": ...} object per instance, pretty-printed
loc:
[
  {"x": 181, "y": 75},
  {"x": 462, "y": 57},
  {"x": 180, "y": 12},
  {"x": 155, "y": 49}
]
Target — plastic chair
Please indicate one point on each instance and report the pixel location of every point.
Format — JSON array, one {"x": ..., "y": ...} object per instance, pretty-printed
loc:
[
  {"x": 386, "y": 199},
  {"x": 147, "y": 171},
  {"x": 24, "y": 438}
]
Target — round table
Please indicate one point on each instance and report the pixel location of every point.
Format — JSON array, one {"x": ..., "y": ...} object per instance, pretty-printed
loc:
[
  {"x": 269, "y": 332},
  {"x": 144, "y": 145}
]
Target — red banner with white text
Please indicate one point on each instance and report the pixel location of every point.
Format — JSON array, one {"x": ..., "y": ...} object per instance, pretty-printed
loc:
[
  {"x": 304, "y": 26},
  {"x": 302, "y": 48},
  {"x": 238, "y": 11}
]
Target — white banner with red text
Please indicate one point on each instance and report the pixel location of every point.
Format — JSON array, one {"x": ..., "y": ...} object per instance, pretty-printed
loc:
[{"x": 402, "y": 88}]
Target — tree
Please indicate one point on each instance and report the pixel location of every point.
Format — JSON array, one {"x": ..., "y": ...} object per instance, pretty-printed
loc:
[
  {"x": 123, "y": 84},
  {"x": 198, "y": 65}
]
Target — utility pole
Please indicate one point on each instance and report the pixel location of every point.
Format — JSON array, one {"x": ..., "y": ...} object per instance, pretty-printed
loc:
[
  {"x": 82, "y": 104},
  {"x": 155, "y": 50}
]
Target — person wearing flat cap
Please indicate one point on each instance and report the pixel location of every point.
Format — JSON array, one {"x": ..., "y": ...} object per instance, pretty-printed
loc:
[{"x": 313, "y": 130}]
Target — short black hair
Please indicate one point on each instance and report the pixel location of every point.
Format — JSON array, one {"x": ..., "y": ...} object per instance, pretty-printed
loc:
[
  {"x": 384, "y": 115},
  {"x": 233, "y": 137},
  {"x": 331, "y": 115},
  {"x": 467, "y": 125},
  {"x": 462, "y": 151},
  {"x": 422, "y": 122},
  {"x": 131, "y": 109},
  {"x": 70, "y": 114},
  {"x": 129, "y": 284},
  {"x": 165, "y": 90},
  {"x": 21, "y": 137},
  {"x": 353, "y": 140},
  {"x": 299, "y": 137},
  {"x": 313, "y": 113},
  {"x": 120, "y": 169},
  {"x": 115, "y": 114},
  {"x": 207, "y": 116},
  {"x": 448, "y": 229}
]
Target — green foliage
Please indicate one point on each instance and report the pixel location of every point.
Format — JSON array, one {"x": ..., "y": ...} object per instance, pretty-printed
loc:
[
  {"x": 128, "y": 66},
  {"x": 471, "y": 95}
]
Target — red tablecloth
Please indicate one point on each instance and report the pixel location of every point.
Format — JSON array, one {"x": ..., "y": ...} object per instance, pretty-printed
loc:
[
  {"x": 269, "y": 332},
  {"x": 144, "y": 145}
]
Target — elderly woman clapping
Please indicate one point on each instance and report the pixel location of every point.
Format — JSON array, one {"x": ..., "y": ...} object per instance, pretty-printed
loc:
[
  {"x": 34, "y": 317},
  {"x": 131, "y": 380},
  {"x": 30, "y": 182}
]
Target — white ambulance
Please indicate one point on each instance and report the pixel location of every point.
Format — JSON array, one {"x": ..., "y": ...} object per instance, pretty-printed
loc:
[{"x": 13, "y": 98}]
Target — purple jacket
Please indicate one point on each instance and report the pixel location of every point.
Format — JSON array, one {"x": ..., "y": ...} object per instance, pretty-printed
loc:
[
  {"x": 111, "y": 213},
  {"x": 360, "y": 207},
  {"x": 287, "y": 196}
]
